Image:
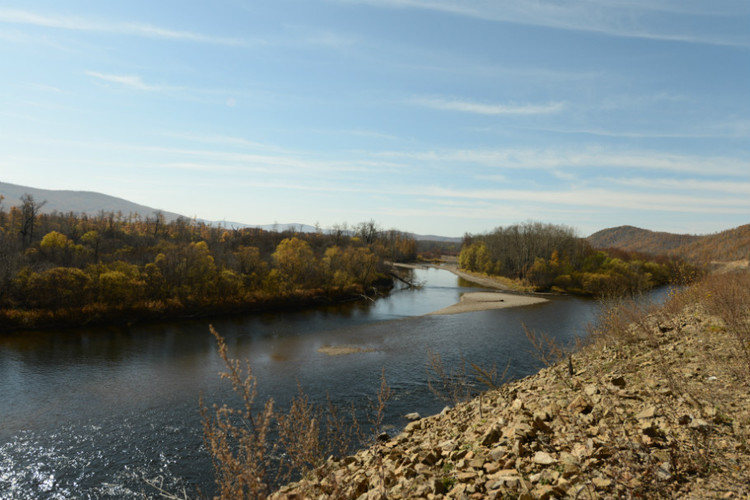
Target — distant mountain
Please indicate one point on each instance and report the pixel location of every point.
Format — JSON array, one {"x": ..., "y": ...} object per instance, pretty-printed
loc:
[
  {"x": 79, "y": 202},
  {"x": 92, "y": 203},
  {"x": 729, "y": 245},
  {"x": 432, "y": 237}
]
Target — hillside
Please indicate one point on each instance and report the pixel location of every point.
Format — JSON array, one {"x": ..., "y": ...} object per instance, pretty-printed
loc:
[
  {"x": 79, "y": 202},
  {"x": 730, "y": 245},
  {"x": 640, "y": 240},
  {"x": 655, "y": 407}
]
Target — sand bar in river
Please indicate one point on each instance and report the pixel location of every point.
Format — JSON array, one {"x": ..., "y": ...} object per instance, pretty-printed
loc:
[{"x": 481, "y": 301}]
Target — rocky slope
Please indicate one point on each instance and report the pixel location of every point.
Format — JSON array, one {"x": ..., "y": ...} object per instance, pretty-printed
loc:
[{"x": 657, "y": 406}]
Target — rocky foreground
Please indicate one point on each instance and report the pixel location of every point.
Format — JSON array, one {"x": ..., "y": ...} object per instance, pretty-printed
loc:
[{"x": 657, "y": 407}]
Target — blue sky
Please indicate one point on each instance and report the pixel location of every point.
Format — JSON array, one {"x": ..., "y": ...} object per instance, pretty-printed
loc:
[{"x": 432, "y": 116}]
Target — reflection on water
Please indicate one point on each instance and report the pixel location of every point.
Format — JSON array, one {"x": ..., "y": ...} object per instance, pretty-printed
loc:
[{"x": 89, "y": 413}]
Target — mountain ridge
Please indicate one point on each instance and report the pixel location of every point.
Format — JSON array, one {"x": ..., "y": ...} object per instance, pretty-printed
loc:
[
  {"x": 93, "y": 203},
  {"x": 728, "y": 245}
]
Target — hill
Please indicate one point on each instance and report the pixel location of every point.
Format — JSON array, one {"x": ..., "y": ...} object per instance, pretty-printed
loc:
[
  {"x": 93, "y": 203},
  {"x": 730, "y": 245},
  {"x": 640, "y": 240},
  {"x": 79, "y": 202}
]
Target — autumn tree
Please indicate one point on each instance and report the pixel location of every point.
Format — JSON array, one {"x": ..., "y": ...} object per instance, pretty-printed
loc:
[
  {"x": 29, "y": 213},
  {"x": 295, "y": 263}
]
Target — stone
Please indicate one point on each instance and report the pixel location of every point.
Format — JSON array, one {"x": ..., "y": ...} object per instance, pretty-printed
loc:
[
  {"x": 491, "y": 467},
  {"x": 498, "y": 453},
  {"x": 412, "y": 416},
  {"x": 413, "y": 426},
  {"x": 543, "y": 458},
  {"x": 429, "y": 459},
  {"x": 491, "y": 437},
  {"x": 465, "y": 477},
  {"x": 649, "y": 412},
  {"x": 523, "y": 431},
  {"x": 477, "y": 463},
  {"x": 700, "y": 425},
  {"x": 580, "y": 405},
  {"x": 664, "y": 471},
  {"x": 601, "y": 483}
]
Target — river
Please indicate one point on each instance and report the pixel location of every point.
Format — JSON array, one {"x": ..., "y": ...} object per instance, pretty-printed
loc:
[{"x": 91, "y": 412}]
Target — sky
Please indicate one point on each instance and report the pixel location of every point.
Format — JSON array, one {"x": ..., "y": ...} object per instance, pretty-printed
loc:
[{"x": 430, "y": 116}]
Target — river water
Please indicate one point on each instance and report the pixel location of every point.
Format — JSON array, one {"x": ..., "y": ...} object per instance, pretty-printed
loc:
[{"x": 92, "y": 412}]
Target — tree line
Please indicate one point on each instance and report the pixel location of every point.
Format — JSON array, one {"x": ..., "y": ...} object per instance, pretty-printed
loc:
[
  {"x": 68, "y": 268},
  {"x": 551, "y": 257}
]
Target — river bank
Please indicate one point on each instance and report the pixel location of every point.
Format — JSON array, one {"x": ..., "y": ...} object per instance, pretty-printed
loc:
[
  {"x": 508, "y": 294},
  {"x": 658, "y": 405}
]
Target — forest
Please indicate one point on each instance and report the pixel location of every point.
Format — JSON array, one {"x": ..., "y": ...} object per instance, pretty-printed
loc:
[
  {"x": 59, "y": 269},
  {"x": 551, "y": 257},
  {"x": 70, "y": 269}
]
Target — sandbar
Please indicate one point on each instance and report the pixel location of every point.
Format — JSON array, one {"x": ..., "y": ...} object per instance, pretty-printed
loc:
[
  {"x": 482, "y": 301},
  {"x": 340, "y": 350}
]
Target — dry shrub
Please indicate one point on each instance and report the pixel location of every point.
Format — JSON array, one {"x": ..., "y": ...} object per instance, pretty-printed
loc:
[
  {"x": 237, "y": 438},
  {"x": 450, "y": 385},
  {"x": 255, "y": 448},
  {"x": 456, "y": 385},
  {"x": 728, "y": 297}
]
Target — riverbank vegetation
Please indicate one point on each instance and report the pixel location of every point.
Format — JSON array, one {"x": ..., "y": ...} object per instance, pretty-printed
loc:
[
  {"x": 68, "y": 269},
  {"x": 552, "y": 258}
]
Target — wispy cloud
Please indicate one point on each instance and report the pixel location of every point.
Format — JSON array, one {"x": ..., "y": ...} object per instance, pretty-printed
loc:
[
  {"x": 590, "y": 157},
  {"x": 631, "y": 19},
  {"x": 131, "y": 81},
  {"x": 603, "y": 198},
  {"x": 74, "y": 23},
  {"x": 45, "y": 88},
  {"x": 696, "y": 185},
  {"x": 487, "y": 109}
]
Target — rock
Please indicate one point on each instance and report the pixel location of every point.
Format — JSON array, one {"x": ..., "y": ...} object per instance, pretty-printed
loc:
[
  {"x": 601, "y": 483},
  {"x": 430, "y": 459},
  {"x": 523, "y": 431},
  {"x": 591, "y": 390},
  {"x": 491, "y": 467},
  {"x": 491, "y": 437},
  {"x": 618, "y": 381},
  {"x": 498, "y": 452},
  {"x": 466, "y": 477},
  {"x": 543, "y": 458},
  {"x": 477, "y": 463},
  {"x": 664, "y": 471},
  {"x": 700, "y": 425},
  {"x": 547, "y": 491},
  {"x": 579, "y": 405},
  {"x": 448, "y": 446},
  {"x": 649, "y": 412},
  {"x": 412, "y": 416},
  {"x": 685, "y": 419},
  {"x": 413, "y": 426}
]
